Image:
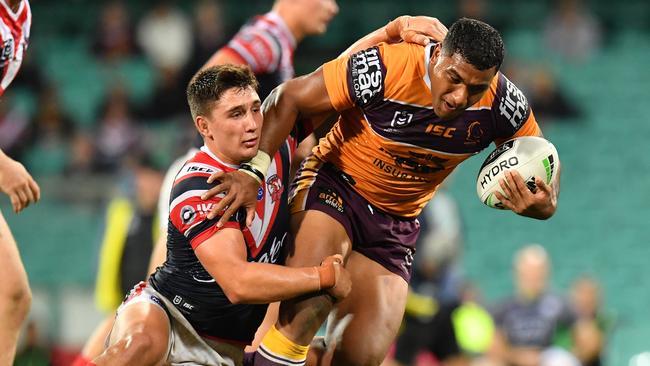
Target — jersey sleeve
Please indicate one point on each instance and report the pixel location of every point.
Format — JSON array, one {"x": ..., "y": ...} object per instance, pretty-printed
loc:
[
  {"x": 188, "y": 212},
  {"x": 357, "y": 80},
  {"x": 257, "y": 47},
  {"x": 512, "y": 114}
]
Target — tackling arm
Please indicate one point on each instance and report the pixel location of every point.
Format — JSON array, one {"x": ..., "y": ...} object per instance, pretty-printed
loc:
[
  {"x": 224, "y": 256},
  {"x": 418, "y": 29}
]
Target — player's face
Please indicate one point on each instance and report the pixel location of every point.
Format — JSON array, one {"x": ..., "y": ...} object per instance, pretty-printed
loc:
[
  {"x": 317, "y": 14},
  {"x": 456, "y": 84},
  {"x": 232, "y": 132}
]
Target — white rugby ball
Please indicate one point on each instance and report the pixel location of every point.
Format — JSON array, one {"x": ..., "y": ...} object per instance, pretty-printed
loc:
[{"x": 530, "y": 156}]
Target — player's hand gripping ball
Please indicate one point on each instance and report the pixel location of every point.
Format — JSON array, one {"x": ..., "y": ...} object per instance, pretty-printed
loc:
[{"x": 530, "y": 156}]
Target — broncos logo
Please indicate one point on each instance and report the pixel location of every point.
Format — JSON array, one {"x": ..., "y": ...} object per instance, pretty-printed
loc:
[
  {"x": 274, "y": 185},
  {"x": 474, "y": 133}
]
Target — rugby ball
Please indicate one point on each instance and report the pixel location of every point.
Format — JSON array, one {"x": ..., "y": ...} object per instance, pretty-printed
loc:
[{"x": 530, "y": 156}]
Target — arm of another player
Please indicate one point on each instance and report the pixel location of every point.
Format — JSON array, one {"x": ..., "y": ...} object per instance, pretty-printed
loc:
[
  {"x": 224, "y": 254},
  {"x": 16, "y": 182},
  {"x": 303, "y": 97},
  {"x": 418, "y": 29}
]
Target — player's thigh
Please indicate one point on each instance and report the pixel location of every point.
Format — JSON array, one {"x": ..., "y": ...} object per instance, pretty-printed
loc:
[
  {"x": 143, "y": 319},
  {"x": 316, "y": 236},
  {"x": 12, "y": 272},
  {"x": 377, "y": 304}
]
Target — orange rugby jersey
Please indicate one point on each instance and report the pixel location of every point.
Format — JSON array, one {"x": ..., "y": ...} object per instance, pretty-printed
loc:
[{"x": 388, "y": 138}]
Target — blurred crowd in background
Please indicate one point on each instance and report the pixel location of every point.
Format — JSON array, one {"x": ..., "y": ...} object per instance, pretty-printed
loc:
[{"x": 98, "y": 111}]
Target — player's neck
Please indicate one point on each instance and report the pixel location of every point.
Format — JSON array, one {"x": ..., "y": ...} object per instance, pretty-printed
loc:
[
  {"x": 290, "y": 19},
  {"x": 14, "y": 5}
]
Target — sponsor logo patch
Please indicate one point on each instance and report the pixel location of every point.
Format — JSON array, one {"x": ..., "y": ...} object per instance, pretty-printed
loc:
[
  {"x": 188, "y": 214},
  {"x": 513, "y": 105},
  {"x": 331, "y": 198},
  {"x": 367, "y": 79},
  {"x": 401, "y": 119}
]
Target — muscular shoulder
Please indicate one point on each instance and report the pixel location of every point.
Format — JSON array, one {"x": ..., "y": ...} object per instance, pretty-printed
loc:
[{"x": 383, "y": 71}]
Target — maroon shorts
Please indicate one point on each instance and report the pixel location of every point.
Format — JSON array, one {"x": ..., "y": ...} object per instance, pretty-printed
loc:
[{"x": 386, "y": 239}]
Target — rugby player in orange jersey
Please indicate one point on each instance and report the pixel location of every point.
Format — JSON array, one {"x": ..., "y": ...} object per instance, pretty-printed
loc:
[{"x": 409, "y": 114}]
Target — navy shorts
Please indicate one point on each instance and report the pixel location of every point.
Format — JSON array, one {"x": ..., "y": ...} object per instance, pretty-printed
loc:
[{"x": 386, "y": 239}]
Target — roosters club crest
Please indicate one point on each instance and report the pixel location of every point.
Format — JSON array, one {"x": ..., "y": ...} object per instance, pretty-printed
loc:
[{"x": 275, "y": 188}]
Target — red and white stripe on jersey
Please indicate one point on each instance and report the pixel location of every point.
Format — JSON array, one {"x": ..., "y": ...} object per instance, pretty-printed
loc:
[
  {"x": 14, "y": 35},
  {"x": 266, "y": 44},
  {"x": 188, "y": 212}
]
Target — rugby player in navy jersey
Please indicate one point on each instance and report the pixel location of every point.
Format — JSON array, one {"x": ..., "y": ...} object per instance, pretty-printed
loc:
[{"x": 204, "y": 304}]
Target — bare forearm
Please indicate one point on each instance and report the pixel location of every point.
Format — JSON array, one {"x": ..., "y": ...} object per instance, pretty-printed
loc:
[
  {"x": 302, "y": 97},
  {"x": 263, "y": 283},
  {"x": 280, "y": 114}
]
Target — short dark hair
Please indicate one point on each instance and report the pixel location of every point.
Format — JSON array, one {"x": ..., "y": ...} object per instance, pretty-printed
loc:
[
  {"x": 207, "y": 86},
  {"x": 478, "y": 43}
]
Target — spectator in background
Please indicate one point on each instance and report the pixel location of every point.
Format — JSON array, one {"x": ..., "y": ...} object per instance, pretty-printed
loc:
[
  {"x": 116, "y": 131},
  {"x": 572, "y": 31},
  {"x": 208, "y": 34},
  {"x": 130, "y": 233},
  {"x": 546, "y": 95},
  {"x": 528, "y": 322},
  {"x": 593, "y": 322},
  {"x": 114, "y": 37},
  {"x": 165, "y": 36},
  {"x": 48, "y": 139}
]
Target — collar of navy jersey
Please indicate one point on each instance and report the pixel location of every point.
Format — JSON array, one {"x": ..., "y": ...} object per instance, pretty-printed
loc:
[
  {"x": 213, "y": 156},
  {"x": 282, "y": 26}
]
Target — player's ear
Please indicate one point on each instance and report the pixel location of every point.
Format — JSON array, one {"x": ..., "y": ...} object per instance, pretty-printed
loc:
[{"x": 201, "y": 124}]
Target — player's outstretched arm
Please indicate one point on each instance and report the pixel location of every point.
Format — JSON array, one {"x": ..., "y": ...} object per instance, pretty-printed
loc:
[
  {"x": 299, "y": 98},
  {"x": 16, "y": 182},
  {"x": 223, "y": 255},
  {"x": 417, "y": 29}
]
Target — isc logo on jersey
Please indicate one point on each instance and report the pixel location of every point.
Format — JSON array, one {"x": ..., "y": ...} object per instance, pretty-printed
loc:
[
  {"x": 513, "y": 104},
  {"x": 367, "y": 81}
]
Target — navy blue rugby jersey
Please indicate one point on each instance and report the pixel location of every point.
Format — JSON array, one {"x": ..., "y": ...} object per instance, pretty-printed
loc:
[{"x": 184, "y": 280}]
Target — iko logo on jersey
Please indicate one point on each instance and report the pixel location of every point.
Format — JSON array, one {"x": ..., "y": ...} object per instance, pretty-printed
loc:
[
  {"x": 366, "y": 72},
  {"x": 190, "y": 212},
  {"x": 513, "y": 104}
]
